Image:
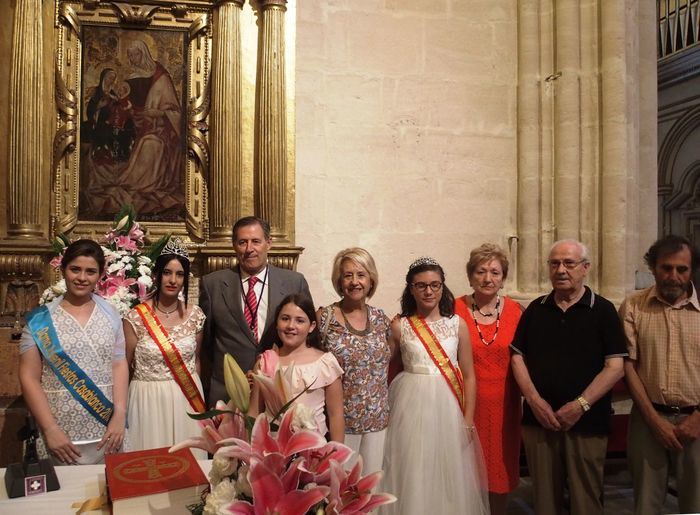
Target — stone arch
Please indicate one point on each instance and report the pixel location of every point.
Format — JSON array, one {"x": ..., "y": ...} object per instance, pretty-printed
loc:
[{"x": 679, "y": 174}]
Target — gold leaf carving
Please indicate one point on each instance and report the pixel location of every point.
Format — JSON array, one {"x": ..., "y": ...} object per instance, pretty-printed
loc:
[
  {"x": 135, "y": 15},
  {"x": 69, "y": 17},
  {"x": 199, "y": 25}
]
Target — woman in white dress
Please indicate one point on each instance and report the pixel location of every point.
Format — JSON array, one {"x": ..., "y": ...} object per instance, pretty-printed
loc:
[
  {"x": 158, "y": 404},
  {"x": 89, "y": 331},
  {"x": 432, "y": 459}
]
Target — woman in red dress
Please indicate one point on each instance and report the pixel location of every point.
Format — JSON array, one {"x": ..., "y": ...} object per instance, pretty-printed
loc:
[{"x": 492, "y": 319}]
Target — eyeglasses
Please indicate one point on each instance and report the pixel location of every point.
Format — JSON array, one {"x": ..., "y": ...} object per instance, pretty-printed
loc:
[
  {"x": 434, "y": 286},
  {"x": 569, "y": 264}
]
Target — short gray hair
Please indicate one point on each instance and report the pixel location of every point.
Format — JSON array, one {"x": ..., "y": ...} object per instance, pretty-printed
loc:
[{"x": 570, "y": 241}]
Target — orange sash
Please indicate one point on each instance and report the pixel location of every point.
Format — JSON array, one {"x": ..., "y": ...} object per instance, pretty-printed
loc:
[
  {"x": 452, "y": 375},
  {"x": 172, "y": 357}
]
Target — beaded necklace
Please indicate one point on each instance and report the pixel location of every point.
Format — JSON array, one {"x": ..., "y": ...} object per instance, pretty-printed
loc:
[{"x": 476, "y": 308}]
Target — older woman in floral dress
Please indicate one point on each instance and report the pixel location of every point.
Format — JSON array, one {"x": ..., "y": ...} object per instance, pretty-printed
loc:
[
  {"x": 356, "y": 333},
  {"x": 492, "y": 319}
]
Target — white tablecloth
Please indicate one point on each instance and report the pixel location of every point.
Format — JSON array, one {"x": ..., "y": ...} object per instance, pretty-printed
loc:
[{"x": 78, "y": 483}]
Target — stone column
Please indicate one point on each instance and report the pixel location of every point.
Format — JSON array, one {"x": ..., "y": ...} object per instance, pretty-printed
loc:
[
  {"x": 26, "y": 160},
  {"x": 529, "y": 152},
  {"x": 270, "y": 183},
  {"x": 567, "y": 121},
  {"x": 225, "y": 188},
  {"x": 617, "y": 160},
  {"x": 547, "y": 68},
  {"x": 590, "y": 134}
]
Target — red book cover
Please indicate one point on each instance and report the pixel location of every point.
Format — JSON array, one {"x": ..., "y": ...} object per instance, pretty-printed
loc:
[{"x": 140, "y": 473}]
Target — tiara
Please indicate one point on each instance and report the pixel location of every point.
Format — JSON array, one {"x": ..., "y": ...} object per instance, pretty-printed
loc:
[
  {"x": 423, "y": 261},
  {"x": 177, "y": 247}
]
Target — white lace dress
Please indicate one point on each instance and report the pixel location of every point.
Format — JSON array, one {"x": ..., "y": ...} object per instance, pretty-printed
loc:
[
  {"x": 429, "y": 462},
  {"x": 157, "y": 409},
  {"x": 92, "y": 349}
]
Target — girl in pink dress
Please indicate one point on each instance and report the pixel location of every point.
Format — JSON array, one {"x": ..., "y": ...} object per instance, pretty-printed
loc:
[{"x": 305, "y": 363}]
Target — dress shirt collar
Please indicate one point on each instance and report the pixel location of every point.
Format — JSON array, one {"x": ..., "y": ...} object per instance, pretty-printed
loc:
[
  {"x": 260, "y": 275},
  {"x": 692, "y": 300}
]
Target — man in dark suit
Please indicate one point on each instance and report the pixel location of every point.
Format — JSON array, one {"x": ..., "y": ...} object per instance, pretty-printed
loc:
[{"x": 240, "y": 319}]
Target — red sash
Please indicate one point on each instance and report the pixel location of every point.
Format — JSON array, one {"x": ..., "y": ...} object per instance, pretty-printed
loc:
[
  {"x": 452, "y": 375},
  {"x": 172, "y": 357}
]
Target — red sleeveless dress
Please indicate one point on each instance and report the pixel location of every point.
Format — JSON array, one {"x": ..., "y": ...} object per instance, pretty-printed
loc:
[{"x": 498, "y": 408}]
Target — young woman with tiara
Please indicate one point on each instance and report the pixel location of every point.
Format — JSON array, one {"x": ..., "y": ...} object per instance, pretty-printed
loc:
[
  {"x": 432, "y": 458},
  {"x": 163, "y": 338}
]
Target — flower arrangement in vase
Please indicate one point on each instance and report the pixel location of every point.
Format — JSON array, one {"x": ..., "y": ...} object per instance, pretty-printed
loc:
[
  {"x": 128, "y": 263},
  {"x": 275, "y": 464}
]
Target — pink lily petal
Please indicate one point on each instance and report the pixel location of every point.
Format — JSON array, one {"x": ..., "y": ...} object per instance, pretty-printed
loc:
[
  {"x": 290, "y": 479},
  {"x": 197, "y": 442},
  {"x": 268, "y": 363},
  {"x": 267, "y": 488},
  {"x": 298, "y": 502},
  {"x": 302, "y": 441},
  {"x": 285, "y": 430},
  {"x": 273, "y": 397},
  {"x": 367, "y": 483},
  {"x": 261, "y": 440},
  {"x": 357, "y": 505},
  {"x": 355, "y": 472},
  {"x": 378, "y": 500},
  {"x": 240, "y": 508}
]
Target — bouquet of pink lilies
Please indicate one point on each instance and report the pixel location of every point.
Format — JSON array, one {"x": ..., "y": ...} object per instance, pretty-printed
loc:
[{"x": 273, "y": 464}]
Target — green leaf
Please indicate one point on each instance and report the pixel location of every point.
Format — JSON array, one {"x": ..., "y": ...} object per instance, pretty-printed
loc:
[
  {"x": 153, "y": 251},
  {"x": 211, "y": 414}
]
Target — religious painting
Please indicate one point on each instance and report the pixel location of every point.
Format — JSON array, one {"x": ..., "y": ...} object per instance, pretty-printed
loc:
[{"x": 133, "y": 123}]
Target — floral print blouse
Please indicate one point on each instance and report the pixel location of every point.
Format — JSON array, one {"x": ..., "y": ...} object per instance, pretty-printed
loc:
[{"x": 364, "y": 356}]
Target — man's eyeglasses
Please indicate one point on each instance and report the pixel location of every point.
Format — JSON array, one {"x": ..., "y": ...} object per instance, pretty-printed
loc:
[
  {"x": 569, "y": 264},
  {"x": 434, "y": 286}
]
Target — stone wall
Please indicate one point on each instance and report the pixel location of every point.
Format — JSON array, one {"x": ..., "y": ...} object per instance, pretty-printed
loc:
[{"x": 406, "y": 134}]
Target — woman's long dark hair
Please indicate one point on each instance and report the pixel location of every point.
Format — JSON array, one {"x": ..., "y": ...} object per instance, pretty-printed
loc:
[
  {"x": 161, "y": 263},
  {"x": 307, "y": 306},
  {"x": 408, "y": 303}
]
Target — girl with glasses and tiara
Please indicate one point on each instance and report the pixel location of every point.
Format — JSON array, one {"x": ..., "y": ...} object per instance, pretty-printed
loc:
[{"x": 432, "y": 460}]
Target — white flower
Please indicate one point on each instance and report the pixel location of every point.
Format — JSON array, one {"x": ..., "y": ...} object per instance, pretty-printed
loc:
[
  {"x": 143, "y": 260},
  {"x": 303, "y": 418},
  {"x": 122, "y": 222},
  {"x": 128, "y": 266},
  {"x": 145, "y": 280},
  {"x": 220, "y": 496},
  {"x": 221, "y": 468},
  {"x": 144, "y": 270},
  {"x": 242, "y": 483},
  {"x": 114, "y": 267},
  {"x": 60, "y": 287}
]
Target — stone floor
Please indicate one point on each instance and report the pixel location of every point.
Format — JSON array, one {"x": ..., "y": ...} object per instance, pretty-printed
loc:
[{"x": 618, "y": 495}]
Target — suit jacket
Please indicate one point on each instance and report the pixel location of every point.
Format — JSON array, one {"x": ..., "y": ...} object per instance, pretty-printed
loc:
[{"x": 226, "y": 329}]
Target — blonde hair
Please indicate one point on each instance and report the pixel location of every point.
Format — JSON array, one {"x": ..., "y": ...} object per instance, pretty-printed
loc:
[
  {"x": 487, "y": 252},
  {"x": 360, "y": 257}
]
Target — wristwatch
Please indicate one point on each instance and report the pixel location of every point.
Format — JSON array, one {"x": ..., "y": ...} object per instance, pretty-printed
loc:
[{"x": 584, "y": 403}]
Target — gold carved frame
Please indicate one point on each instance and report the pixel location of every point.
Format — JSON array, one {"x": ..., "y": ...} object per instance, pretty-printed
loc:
[
  {"x": 193, "y": 18},
  {"x": 240, "y": 119}
]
